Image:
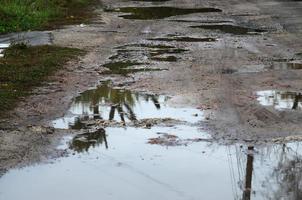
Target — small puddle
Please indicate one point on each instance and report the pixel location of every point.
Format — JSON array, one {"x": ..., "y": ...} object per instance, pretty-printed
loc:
[
  {"x": 33, "y": 38},
  {"x": 202, "y": 22},
  {"x": 293, "y": 65},
  {"x": 146, "y": 13},
  {"x": 124, "y": 67},
  {"x": 280, "y": 99},
  {"x": 3, "y": 46},
  {"x": 146, "y": 52},
  {"x": 120, "y": 105},
  {"x": 232, "y": 29},
  {"x": 184, "y": 39},
  {"x": 165, "y": 59}
]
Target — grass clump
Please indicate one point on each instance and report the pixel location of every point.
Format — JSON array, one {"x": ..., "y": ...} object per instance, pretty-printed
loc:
[
  {"x": 24, "y": 67},
  {"x": 23, "y": 15}
]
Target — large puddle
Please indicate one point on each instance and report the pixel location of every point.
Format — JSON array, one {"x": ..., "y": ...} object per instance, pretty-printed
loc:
[
  {"x": 121, "y": 164},
  {"x": 148, "y": 13},
  {"x": 174, "y": 161}
]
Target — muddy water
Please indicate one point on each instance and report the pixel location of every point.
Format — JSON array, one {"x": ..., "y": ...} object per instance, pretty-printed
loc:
[
  {"x": 165, "y": 161},
  {"x": 148, "y": 13},
  {"x": 133, "y": 58}
]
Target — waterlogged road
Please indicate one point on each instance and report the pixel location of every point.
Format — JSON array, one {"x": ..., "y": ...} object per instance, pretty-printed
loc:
[{"x": 190, "y": 100}]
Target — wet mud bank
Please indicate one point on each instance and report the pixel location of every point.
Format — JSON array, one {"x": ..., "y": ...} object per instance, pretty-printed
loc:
[{"x": 206, "y": 92}]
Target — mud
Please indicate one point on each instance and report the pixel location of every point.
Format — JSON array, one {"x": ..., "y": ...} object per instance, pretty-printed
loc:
[{"x": 223, "y": 79}]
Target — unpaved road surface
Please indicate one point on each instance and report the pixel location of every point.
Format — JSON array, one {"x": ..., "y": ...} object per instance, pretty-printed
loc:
[{"x": 238, "y": 62}]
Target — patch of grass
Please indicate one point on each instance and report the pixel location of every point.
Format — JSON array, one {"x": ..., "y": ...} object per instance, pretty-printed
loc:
[
  {"x": 23, "y": 15},
  {"x": 23, "y": 68}
]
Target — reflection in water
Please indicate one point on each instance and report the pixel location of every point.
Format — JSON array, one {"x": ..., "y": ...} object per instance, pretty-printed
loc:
[
  {"x": 121, "y": 102},
  {"x": 120, "y": 105},
  {"x": 82, "y": 142},
  {"x": 248, "y": 174},
  {"x": 274, "y": 172},
  {"x": 287, "y": 175},
  {"x": 286, "y": 65},
  {"x": 280, "y": 99},
  {"x": 95, "y": 104},
  {"x": 136, "y": 169},
  {"x": 2, "y": 48}
]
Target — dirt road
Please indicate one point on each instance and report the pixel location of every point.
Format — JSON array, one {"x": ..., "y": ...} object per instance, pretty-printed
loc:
[{"x": 237, "y": 61}]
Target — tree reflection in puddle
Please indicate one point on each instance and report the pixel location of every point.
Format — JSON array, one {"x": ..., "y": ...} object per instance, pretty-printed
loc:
[
  {"x": 120, "y": 101},
  {"x": 120, "y": 105},
  {"x": 272, "y": 172},
  {"x": 136, "y": 169},
  {"x": 82, "y": 142}
]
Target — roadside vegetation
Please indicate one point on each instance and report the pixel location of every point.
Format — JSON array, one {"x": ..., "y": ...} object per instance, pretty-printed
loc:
[
  {"x": 23, "y": 68},
  {"x": 23, "y": 15}
]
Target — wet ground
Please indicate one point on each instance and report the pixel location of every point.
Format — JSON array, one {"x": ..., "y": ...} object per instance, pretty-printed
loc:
[
  {"x": 177, "y": 160},
  {"x": 174, "y": 100}
]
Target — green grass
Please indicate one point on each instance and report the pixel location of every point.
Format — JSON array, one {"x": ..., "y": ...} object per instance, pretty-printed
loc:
[
  {"x": 23, "y": 15},
  {"x": 21, "y": 69}
]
